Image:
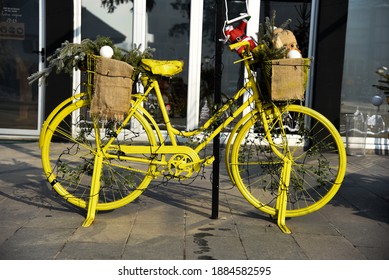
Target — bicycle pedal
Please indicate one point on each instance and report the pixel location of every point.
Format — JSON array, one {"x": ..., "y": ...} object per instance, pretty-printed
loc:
[{"x": 208, "y": 160}]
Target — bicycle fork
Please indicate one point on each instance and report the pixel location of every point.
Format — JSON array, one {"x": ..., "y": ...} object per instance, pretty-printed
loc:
[
  {"x": 96, "y": 179},
  {"x": 94, "y": 190},
  {"x": 282, "y": 198}
]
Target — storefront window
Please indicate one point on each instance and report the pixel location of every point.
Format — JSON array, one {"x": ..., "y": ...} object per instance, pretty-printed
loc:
[
  {"x": 367, "y": 41},
  {"x": 19, "y": 45},
  {"x": 300, "y": 14},
  {"x": 168, "y": 33}
]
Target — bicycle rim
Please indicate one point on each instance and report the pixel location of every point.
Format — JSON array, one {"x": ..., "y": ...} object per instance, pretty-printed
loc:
[
  {"x": 68, "y": 154},
  {"x": 315, "y": 148}
]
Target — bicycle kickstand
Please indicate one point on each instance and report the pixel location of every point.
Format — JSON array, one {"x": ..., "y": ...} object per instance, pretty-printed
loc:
[
  {"x": 94, "y": 191},
  {"x": 282, "y": 198}
]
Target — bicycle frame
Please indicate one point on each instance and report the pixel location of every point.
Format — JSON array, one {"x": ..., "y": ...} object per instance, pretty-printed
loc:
[{"x": 173, "y": 132}]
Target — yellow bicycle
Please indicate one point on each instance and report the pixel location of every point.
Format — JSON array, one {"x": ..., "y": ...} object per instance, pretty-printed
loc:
[{"x": 287, "y": 160}]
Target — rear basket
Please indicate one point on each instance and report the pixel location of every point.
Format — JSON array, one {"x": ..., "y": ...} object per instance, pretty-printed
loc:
[{"x": 286, "y": 79}]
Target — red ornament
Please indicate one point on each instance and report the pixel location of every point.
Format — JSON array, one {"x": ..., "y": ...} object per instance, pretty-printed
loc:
[{"x": 238, "y": 34}]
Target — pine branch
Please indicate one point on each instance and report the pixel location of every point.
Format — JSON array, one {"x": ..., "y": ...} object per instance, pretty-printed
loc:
[
  {"x": 266, "y": 37},
  {"x": 71, "y": 55}
]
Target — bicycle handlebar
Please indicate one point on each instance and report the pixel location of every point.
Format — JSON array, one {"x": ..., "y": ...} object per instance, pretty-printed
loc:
[{"x": 240, "y": 44}]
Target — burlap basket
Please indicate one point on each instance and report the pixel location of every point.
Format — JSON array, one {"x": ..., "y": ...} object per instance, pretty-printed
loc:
[
  {"x": 112, "y": 88},
  {"x": 286, "y": 79}
]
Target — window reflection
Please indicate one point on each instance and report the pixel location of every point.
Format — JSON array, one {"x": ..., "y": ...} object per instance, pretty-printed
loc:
[
  {"x": 98, "y": 20},
  {"x": 367, "y": 39},
  {"x": 19, "y": 36},
  {"x": 300, "y": 14}
]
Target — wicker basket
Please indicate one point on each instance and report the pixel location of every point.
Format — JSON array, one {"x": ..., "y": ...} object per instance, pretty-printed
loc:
[
  {"x": 286, "y": 79},
  {"x": 88, "y": 67}
]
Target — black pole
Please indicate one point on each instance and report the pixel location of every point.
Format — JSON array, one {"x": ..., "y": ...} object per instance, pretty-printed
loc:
[{"x": 220, "y": 10}]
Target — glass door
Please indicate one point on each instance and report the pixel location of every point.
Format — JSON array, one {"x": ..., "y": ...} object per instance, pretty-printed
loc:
[
  {"x": 21, "y": 54},
  {"x": 171, "y": 38}
]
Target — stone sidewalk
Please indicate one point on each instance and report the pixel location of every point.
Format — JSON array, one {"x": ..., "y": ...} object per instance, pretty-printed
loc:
[{"x": 172, "y": 221}]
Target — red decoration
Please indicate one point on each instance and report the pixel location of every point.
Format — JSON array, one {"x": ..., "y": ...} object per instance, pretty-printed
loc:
[{"x": 238, "y": 34}]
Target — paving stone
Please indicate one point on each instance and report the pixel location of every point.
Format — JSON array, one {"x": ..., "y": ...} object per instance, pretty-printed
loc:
[
  {"x": 34, "y": 243},
  {"x": 272, "y": 246},
  {"x": 102, "y": 250},
  {"x": 327, "y": 247},
  {"x": 155, "y": 247}
]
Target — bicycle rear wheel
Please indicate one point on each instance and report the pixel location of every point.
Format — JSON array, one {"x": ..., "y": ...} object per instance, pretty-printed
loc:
[
  {"x": 315, "y": 148},
  {"x": 68, "y": 154}
]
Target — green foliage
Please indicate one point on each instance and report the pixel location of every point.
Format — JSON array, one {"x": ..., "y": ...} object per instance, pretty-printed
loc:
[
  {"x": 72, "y": 55},
  {"x": 266, "y": 40},
  {"x": 111, "y": 5}
]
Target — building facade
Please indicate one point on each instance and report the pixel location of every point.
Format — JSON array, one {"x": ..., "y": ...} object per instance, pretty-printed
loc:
[{"x": 346, "y": 39}]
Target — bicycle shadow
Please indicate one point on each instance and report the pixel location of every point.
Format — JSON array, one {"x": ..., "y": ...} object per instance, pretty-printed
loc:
[
  {"x": 195, "y": 197},
  {"x": 23, "y": 180}
]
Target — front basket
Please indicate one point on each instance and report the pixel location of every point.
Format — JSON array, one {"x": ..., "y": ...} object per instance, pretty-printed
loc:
[{"x": 286, "y": 79}]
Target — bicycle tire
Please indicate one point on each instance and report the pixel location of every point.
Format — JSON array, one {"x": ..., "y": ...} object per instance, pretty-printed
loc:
[
  {"x": 54, "y": 112},
  {"x": 68, "y": 152},
  {"x": 318, "y": 160}
]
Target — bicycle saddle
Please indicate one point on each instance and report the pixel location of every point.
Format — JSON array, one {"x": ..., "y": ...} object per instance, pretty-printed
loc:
[{"x": 165, "y": 68}]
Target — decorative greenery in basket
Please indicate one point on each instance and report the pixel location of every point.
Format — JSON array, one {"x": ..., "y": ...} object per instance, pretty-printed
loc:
[
  {"x": 73, "y": 56},
  {"x": 267, "y": 48}
]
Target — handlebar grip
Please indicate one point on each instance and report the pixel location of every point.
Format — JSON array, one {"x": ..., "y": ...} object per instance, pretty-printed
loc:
[{"x": 239, "y": 44}]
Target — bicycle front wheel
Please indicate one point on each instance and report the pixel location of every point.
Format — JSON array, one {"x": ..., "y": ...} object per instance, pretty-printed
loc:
[
  {"x": 68, "y": 154},
  {"x": 314, "y": 147}
]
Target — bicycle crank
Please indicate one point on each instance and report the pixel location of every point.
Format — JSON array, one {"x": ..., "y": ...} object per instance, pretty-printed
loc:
[{"x": 181, "y": 166}]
